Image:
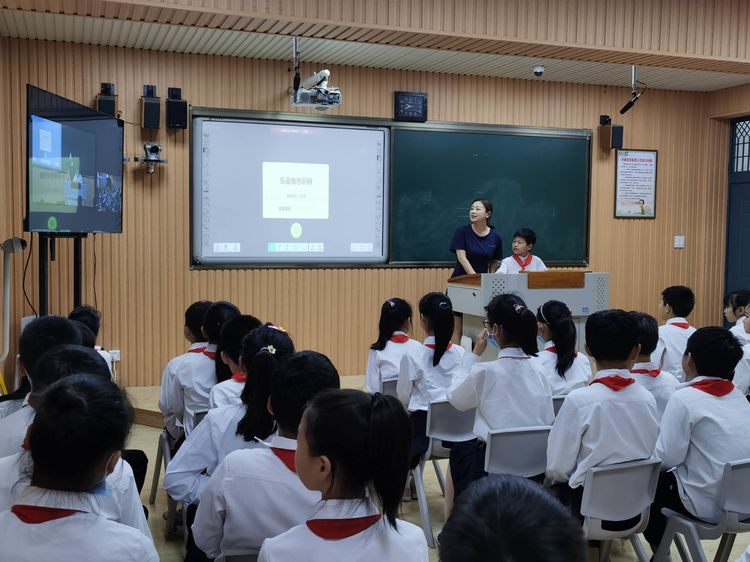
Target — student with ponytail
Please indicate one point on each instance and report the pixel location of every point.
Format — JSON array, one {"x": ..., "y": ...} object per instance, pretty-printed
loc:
[
  {"x": 511, "y": 391},
  {"x": 232, "y": 333},
  {"x": 426, "y": 372},
  {"x": 393, "y": 342},
  {"x": 566, "y": 369},
  {"x": 353, "y": 448}
]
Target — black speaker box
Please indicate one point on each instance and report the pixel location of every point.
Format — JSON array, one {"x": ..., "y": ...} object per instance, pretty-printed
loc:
[
  {"x": 150, "y": 113},
  {"x": 610, "y": 136},
  {"x": 177, "y": 113},
  {"x": 107, "y": 104}
]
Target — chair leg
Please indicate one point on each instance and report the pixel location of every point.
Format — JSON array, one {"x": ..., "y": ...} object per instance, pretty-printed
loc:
[
  {"x": 171, "y": 516},
  {"x": 604, "y": 548},
  {"x": 439, "y": 474},
  {"x": 694, "y": 544},
  {"x": 682, "y": 550},
  {"x": 157, "y": 472},
  {"x": 640, "y": 552},
  {"x": 424, "y": 509},
  {"x": 662, "y": 550},
  {"x": 725, "y": 547}
]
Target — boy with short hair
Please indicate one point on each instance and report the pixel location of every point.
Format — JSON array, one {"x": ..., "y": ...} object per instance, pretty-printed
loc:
[
  {"x": 610, "y": 421},
  {"x": 658, "y": 382},
  {"x": 522, "y": 261},
  {"x": 703, "y": 427},
  {"x": 677, "y": 302},
  {"x": 92, "y": 319}
]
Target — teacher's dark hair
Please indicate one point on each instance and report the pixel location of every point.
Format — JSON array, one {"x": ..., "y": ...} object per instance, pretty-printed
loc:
[
  {"x": 487, "y": 207},
  {"x": 437, "y": 310},
  {"x": 394, "y": 315}
]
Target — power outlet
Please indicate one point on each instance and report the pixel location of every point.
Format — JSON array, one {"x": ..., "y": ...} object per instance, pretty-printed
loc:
[
  {"x": 115, "y": 353},
  {"x": 679, "y": 242}
]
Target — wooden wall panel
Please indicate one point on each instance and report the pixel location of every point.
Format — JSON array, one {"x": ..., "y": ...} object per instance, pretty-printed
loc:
[
  {"x": 731, "y": 102},
  {"x": 143, "y": 280}
]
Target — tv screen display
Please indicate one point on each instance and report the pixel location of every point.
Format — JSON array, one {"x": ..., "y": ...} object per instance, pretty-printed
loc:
[{"x": 74, "y": 158}]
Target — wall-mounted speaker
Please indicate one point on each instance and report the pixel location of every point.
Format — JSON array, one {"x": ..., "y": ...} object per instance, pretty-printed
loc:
[
  {"x": 150, "y": 108},
  {"x": 610, "y": 136},
  {"x": 177, "y": 109}
]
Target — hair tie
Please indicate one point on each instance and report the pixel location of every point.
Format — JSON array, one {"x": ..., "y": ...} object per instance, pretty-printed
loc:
[
  {"x": 277, "y": 328},
  {"x": 519, "y": 308},
  {"x": 269, "y": 348},
  {"x": 443, "y": 304},
  {"x": 391, "y": 303},
  {"x": 541, "y": 312}
]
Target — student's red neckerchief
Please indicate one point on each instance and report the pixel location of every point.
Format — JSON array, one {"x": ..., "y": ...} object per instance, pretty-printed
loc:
[
  {"x": 432, "y": 346},
  {"x": 287, "y": 457},
  {"x": 553, "y": 349},
  {"x": 35, "y": 514},
  {"x": 337, "y": 529},
  {"x": 239, "y": 376},
  {"x": 615, "y": 382},
  {"x": 715, "y": 388},
  {"x": 655, "y": 373},
  {"x": 399, "y": 338},
  {"x": 210, "y": 354},
  {"x": 523, "y": 262},
  {"x": 683, "y": 325},
  {"x": 197, "y": 350}
]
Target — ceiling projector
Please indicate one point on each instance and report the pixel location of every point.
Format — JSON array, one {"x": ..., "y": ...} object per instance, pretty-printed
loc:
[{"x": 315, "y": 92}]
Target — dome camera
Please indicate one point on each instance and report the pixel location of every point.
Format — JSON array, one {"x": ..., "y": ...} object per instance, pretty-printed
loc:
[{"x": 539, "y": 70}]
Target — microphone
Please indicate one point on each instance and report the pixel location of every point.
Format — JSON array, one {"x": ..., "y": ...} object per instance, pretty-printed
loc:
[{"x": 630, "y": 103}]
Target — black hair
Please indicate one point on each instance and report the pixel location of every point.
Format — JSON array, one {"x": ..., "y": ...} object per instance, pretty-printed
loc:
[
  {"x": 737, "y": 299},
  {"x": 216, "y": 316},
  {"x": 516, "y": 321},
  {"x": 437, "y": 310},
  {"x": 233, "y": 332},
  {"x": 18, "y": 394},
  {"x": 194, "y": 318},
  {"x": 611, "y": 335},
  {"x": 527, "y": 234},
  {"x": 648, "y": 332},
  {"x": 680, "y": 299},
  {"x": 80, "y": 420},
  {"x": 297, "y": 381},
  {"x": 87, "y": 315},
  {"x": 88, "y": 339},
  {"x": 487, "y": 204},
  {"x": 394, "y": 314},
  {"x": 65, "y": 360},
  {"x": 41, "y": 335},
  {"x": 715, "y": 352},
  {"x": 367, "y": 438},
  {"x": 510, "y": 518},
  {"x": 262, "y": 350},
  {"x": 556, "y": 315}
]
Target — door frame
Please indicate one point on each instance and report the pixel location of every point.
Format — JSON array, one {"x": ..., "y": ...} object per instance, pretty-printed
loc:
[{"x": 734, "y": 178}]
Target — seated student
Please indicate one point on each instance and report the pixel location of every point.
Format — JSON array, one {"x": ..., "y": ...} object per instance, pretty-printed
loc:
[
  {"x": 196, "y": 373},
  {"x": 610, "y": 421},
  {"x": 511, "y": 391},
  {"x": 229, "y": 428},
  {"x": 255, "y": 494},
  {"x": 566, "y": 369},
  {"x": 736, "y": 309},
  {"x": 657, "y": 381},
  {"x": 232, "y": 333},
  {"x": 426, "y": 372},
  {"x": 75, "y": 441},
  {"x": 522, "y": 261},
  {"x": 677, "y": 304},
  {"x": 192, "y": 332},
  {"x": 703, "y": 427},
  {"x": 92, "y": 319},
  {"x": 39, "y": 336},
  {"x": 123, "y": 504},
  {"x": 353, "y": 448},
  {"x": 384, "y": 359},
  {"x": 87, "y": 336},
  {"x": 504, "y": 517}
]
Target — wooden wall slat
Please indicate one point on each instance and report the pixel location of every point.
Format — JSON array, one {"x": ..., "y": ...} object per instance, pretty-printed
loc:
[{"x": 143, "y": 279}]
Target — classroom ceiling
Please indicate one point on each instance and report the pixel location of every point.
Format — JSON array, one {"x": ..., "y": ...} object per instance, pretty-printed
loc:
[{"x": 268, "y": 45}]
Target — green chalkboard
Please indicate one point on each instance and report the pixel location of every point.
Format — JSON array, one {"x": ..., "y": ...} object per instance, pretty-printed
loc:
[{"x": 535, "y": 178}]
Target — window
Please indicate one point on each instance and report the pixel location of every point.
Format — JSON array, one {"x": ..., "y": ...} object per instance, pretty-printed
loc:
[{"x": 740, "y": 159}]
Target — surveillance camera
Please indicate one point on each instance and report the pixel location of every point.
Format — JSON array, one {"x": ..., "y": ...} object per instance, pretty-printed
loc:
[
  {"x": 153, "y": 152},
  {"x": 538, "y": 70}
]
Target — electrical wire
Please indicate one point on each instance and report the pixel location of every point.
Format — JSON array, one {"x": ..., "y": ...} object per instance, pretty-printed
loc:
[{"x": 25, "y": 268}]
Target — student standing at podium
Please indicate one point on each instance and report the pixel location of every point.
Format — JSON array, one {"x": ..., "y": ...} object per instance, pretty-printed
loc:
[{"x": 478, "y": 247}]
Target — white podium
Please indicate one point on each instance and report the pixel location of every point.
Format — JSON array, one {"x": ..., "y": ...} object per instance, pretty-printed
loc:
[{"x": 584, "y": 293}]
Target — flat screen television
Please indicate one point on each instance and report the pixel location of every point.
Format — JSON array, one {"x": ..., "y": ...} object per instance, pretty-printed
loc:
[{"x": 74, "y": 166}]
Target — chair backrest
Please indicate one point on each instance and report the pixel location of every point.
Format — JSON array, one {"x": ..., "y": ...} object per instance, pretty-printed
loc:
[
  {"x": 199, "y": 418},
  {"x": 734, "y": 491},
  {"x": 621, "y": 491},
  {"x": 446, "y": 423},
  {"x": 557, "y": 402},
  {"x": 521, "y": 451},
  {"x": 389, "y": 387}
]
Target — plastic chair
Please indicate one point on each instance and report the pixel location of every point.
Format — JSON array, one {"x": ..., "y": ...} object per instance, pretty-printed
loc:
[
  {"x": 444, "y": 423},
  {"x": 389, "y": 388},
  {"x": 521, "y": 451},
  {"x": 164, "y": 456},
  {"x": 617, "y": 493},
  {"x": 557, "y": 402},
  {"x": 734, "y": 500}
]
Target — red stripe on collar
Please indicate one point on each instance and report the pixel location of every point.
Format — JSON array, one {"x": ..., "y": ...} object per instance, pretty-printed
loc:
[
  {"x": 337, "y": 529},
  {"x": 432, "y": 346},
  {"x": 715, "y": 388},
  {"x": 210, "y": 354},
  {"x": 287, "y": 457},
  {"x": 239, "y": 376},
  {"x": 655, "y": 373},
  {"x": 197, "y": 350},
  {"x": 399, "y": 338},
  {"x": 523, "y": 262},
  {"x": 614, "y": 382},
  {"x": 683, "y": 325},
  {"x": 35, "y": 514}
]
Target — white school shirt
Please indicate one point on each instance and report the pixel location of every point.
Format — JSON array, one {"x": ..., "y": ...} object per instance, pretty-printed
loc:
[
  {"x": 739, "y": 331},
  {"x": 123, "y": 505},
  {"x": 10, "y": 406},
  {"x": 657, "y": 381},
  {"x": 511, "y": 391},
  {"x": 194, "y": 378},
  {"x": 671, "y": 347},
  {"x": 206, "y": 446},
  {"x": 78, "y": 537},
  {"x": 745, "y": 556},
  {"x": 597, "y": 426},
  {"x": 578, "y": 374},
  {"x": 226, "y": 393},
  {"x": 168, "y": 395},
  {"x": 106, "y": 355},
  {"x": 13, "y": 429},
  {"x": 510, "y": 265},
  {"x": 378, "y": 543},
  {"x": 419, "y": 382},
  {"x": 741, "y": 378},
  {"x": 699, "y": 433},
  {"x": 250, "y": 497},
  {"x": 384, "y": 365}
]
